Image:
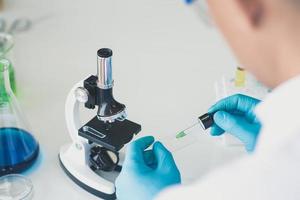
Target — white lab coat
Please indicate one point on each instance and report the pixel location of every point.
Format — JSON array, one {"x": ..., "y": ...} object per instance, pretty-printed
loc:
[{"x": 273, "y": 171}]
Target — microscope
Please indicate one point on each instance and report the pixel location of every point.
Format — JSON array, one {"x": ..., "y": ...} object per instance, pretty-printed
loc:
[{"x": 94, "y": 151}]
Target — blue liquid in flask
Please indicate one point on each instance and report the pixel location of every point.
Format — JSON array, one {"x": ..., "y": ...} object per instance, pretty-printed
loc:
[{"x": 18, "y": 150}]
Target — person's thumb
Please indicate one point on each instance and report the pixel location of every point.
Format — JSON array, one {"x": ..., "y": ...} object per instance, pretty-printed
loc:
[
  {"x": 164, "y": 158},
  {"x": 238, "y": 127},
  {"x": 226, "y": 121},
  {"x": 135, "y": 150}
]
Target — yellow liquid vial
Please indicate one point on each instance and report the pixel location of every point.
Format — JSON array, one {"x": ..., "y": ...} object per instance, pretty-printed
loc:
[{"x": 240, "y": 77}]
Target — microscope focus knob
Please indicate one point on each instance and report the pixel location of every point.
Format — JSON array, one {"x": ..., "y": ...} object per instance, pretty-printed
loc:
[{"x": 82, "y": 94}]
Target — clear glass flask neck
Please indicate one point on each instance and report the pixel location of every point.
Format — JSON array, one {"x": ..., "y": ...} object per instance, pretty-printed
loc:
[
  {"x": 6, "y": 44},
  {"x": 6, "y": 52},
  {"x": 5, "y": 84}
]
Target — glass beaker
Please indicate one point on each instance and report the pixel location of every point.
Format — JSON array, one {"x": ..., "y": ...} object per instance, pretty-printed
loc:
[
  {"x": 6, "y": 52},
  {"x": 18, "y": 148}
]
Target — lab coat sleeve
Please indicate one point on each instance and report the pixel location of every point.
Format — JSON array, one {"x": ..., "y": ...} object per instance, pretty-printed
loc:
[
  {"x": 223, "y": 184},
  {"x": 215, "y": 186},
  {"x": 271, "y": 176}
]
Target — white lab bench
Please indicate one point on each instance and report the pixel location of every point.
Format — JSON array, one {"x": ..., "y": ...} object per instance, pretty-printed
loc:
[{"x": 165, "y": 63}]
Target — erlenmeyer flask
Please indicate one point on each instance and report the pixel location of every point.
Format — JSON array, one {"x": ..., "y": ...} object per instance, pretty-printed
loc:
[
  {"x": 18, "y": 148},
  {"x": 6, "y": 52}
]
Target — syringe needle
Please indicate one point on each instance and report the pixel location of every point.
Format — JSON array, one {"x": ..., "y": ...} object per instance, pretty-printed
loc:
[{"x": 192, "y": 126}]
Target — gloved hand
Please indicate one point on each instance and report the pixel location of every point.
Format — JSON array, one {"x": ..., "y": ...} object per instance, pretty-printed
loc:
[
  {"x": 146, "y": 172},
  {"x": 235, "y": 115}
]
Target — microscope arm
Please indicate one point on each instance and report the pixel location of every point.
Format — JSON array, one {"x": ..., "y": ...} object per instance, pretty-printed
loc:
[
  {"x": 74, "y": 157},
  {"x": 72, "y": 113}
]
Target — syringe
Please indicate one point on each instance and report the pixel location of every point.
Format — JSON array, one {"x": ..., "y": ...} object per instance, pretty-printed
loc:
[{"x": 206, "y": 121}]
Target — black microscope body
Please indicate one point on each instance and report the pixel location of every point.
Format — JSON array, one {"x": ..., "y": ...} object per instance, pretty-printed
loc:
[{"x": 108, "y": 131}]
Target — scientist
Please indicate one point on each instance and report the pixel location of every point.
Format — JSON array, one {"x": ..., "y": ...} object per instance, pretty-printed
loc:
[{"x": 265, "y": 37}]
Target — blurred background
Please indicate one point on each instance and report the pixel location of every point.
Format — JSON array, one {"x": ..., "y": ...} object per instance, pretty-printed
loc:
[{"x": 166, "y": 61}]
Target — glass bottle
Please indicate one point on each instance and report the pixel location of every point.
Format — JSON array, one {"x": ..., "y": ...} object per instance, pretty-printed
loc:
[{"x": 18, "y": 147}]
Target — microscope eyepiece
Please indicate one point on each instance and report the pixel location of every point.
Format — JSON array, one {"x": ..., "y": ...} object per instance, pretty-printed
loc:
[
  {"x": 104, "y": 68},
  {"x": 104, "y": 53}
]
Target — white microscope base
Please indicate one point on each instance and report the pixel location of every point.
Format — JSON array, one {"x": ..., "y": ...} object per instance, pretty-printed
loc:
[{"x": 82, "y": 175}]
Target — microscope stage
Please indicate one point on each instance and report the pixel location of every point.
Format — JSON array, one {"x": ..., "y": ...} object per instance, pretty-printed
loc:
[{"x": 112, "y": 136}]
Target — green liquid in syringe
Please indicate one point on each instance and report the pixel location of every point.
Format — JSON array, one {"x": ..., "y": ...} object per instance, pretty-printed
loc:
[
  {"x": 184, "y": 133},
  {"x": 180, "y": 134}
]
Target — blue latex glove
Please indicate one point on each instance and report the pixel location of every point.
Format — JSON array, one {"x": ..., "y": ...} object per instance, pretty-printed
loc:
[
  {"x": 235, "y": 115},
  {"x": 146, "y": 172}
]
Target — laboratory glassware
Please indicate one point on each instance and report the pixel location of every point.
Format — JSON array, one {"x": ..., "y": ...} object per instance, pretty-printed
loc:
[
  {"x": 7, "y": 42},
  {"x": 18, "y": 148},
  {"x": 6, "y": 52},
  {"x": 15, "y": 187}
]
